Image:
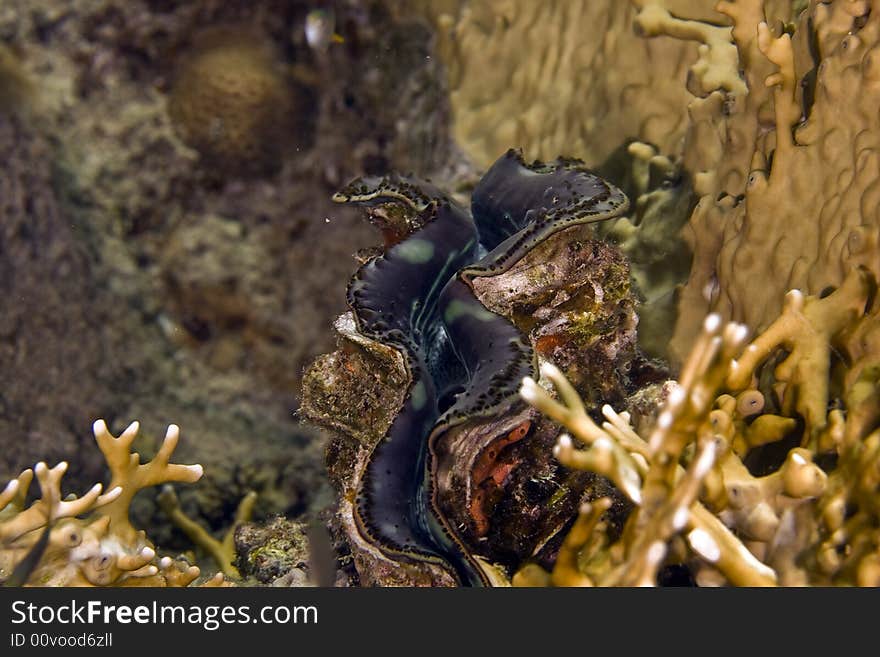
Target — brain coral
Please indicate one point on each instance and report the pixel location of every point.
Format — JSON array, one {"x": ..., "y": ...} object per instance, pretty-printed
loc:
[{"x": 232, "y": 101}]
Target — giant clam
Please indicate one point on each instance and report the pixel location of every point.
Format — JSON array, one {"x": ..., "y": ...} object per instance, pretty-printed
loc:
[{"x": 463, "y": 362}]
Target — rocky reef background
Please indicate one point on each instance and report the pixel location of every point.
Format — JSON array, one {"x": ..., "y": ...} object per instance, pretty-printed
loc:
[{"x": 154, "y": 266}]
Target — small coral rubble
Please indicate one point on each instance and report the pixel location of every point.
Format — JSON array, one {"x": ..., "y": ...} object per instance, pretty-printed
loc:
[
  {"x": 275, "y": 553},
  {"x": 101, "y": 548}
]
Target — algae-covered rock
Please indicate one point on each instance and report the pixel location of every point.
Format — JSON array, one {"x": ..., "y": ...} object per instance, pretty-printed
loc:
[{"x": 273, "y": 553}]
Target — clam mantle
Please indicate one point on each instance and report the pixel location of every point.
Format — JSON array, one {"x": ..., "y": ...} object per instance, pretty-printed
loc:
[{"x": 461, "y": 362}]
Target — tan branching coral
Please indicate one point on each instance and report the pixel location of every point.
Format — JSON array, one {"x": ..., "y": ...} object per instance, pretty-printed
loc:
[
  {"x": 222, "y": 551},
  {"x": 649, "y": 472},
  {"x": 786, "y": 170},
  {"x": 51, "y": 507},
  {"x": 717, "y": 64},
  {"x": 131, "y": 476},
  {"x": 649, "y": 237},
  {"x": 560, "y": 76},
  {"x": 689, "y": 482},
  {"x": 91, "y": 541},
  {"x": 806, "y": 330}
]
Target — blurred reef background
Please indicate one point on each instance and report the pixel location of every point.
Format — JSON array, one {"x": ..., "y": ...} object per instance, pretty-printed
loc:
[
  {"x": 170, "y": 253},
  {"x": 169, "y": 247}
]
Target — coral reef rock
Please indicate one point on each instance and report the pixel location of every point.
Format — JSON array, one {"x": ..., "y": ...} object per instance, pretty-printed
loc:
[
  {"x": 274, "y": 553},
  {"x": 111, "y": 223}
]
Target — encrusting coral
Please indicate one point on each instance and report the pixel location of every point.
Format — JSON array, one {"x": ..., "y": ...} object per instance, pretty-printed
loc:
[
  {"x": 569, "y": 76},
  {"x": 767, "y": 88},
  {"x": 91, "y": 541},
  {"x": 695, "y": 500}
]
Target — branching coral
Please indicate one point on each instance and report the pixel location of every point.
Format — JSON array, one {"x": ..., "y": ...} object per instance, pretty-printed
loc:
[
  {"x": 557, "y": 77},
  {"x": 131, "y": 476},
  {"x": 649, "y": 472},
  {"x": 101, "y": 548},
  {"x": 768, "y": 96},
  {"x": 806, "y": 330},
  {"x": 649, "y": 237},
  {"x": 716, "y": 67},
  {"x": 222, "y": 551},
  {"x": 573, "y": 77},
  {"x": 786, "y": 169},
  {"x": 689, "y": 481}
]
